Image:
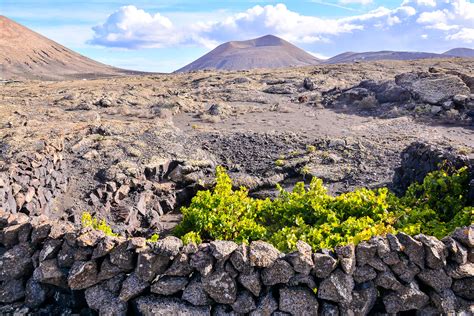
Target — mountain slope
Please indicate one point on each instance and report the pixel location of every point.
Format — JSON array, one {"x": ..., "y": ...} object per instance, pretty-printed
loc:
[
  {"x": 350, "y": 57},
  {"x": 25, "y": 54},
  {"x": 264, "y": 52},
  {"x": 460, "y": 52}
]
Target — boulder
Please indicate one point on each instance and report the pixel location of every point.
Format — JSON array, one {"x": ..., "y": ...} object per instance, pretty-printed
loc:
[
  {"x": 298, "y": 301},
  {"x": 464, "y": 288},
  {"x": 410, "y": 298},
  {"x": 164, "y": 306},
  {"x": 364, "y": 252},
  {"x": 222, "y": 249},
  {"x": 324, "y": 265},
  {"x": 413, "y": 249},
  {"x": 364, "y": 274},
  {"x": 203, "y": 260},
  {"x": 180, "y": 266},
  {"x": 389, "y": 92},
  {"x": 103, "y": 247},
  {"x": 457, "y": 252},
  {"x": 445, "y": 301},
  {"x": 149, "y": 265},
  {"x": 244, "y": 303},
  {"x": 82, "y": 275},
  {"x": 48, "y": 272},
  {"x": 337, "y": 287},
  {"x": 437, "y": 279},
  {"x": 279, "y": 272},
  {"x": 132, "y": 287},
  {"x": 347, "y": 258},
  {"x": 388, "y": 281},
  {"x": 302, "y": 279},
  {"x": 103, "y": 301},
  {"x": 262, "y": 254},
  {"x": 168, "y": 247},
  {"x": 435, "y": 251},
  {"x": 465, "y": 235},
  {"x": 432, "y": 88},
  {"x": 194, "y": 293},
  {"x": 266, "y": 305},
  {"x": 308, "y": 84},
  {"x": 301, "y": 260},
  {"x": 35, "y": 293},
  {"x": 240, "y": 258},
  {"x": 328, "y": 309},
  {"x": 405, "y": 270},
  {"x": 50, "y": 249},
  {"x": 251, "y": 281},
  {"x": 11, "y": 290},
  {"x": 363, "y": 300},
  {"x": 221, "y": 287},
  {"x": 169, "y": 285},
  {"x": 16, "y": 262},
  {"x": 122, "y": 257}
]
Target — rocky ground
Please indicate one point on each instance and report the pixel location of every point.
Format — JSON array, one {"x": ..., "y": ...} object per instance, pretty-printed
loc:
[{"x": 134, "y": 149}]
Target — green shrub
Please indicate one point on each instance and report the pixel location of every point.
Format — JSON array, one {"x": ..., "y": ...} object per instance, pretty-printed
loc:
[
  {"x": 435, "y": 207},
  {"x": 88, "y": 221}
]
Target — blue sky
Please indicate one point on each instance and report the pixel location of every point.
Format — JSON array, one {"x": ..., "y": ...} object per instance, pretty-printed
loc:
[{"x": 165, "y": 35}]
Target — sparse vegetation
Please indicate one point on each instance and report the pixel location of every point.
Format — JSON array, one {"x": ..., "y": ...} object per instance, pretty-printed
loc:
[
  {"x": 434, "y": 207},
  {"x": 153, "y": 238},
  {"x": 87, "y": 220}
]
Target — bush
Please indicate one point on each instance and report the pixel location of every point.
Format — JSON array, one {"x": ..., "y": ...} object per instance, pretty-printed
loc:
[
  {"x": 435, "y": 207},
  {"x": 88, "y": 221}
]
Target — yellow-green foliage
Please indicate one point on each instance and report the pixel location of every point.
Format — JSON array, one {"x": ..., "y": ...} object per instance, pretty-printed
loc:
[
  {"x": 435, "y": 207},
  {"x": 88, "y": 221},
  {"x": 280, "y": 162},
  {"x": 153, "y": 238}
]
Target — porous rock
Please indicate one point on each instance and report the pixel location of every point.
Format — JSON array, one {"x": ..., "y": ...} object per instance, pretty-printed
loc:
[
  {"x": 164, "y": 306},
  {"x": 298, "y": 301},
  {"x": 262, "y": 254},
  {"x": 337, "y": 287},
  {"x": 169, "y": 285},
  {"x": 324, "y": 264},
  {"x": 279, "y": 272},
  {"x": 221, "y": 287}
]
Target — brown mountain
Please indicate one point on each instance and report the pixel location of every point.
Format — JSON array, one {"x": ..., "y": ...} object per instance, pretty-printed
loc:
[
  {"x": 350, "y": 57},
  {"x": 460, "y": 52},
  {"x": 25, "y": 54},
  {"x": 264, "y": 52}
]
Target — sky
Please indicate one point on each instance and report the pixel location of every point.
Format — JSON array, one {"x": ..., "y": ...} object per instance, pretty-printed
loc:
[{"x": 166, "y": 35}]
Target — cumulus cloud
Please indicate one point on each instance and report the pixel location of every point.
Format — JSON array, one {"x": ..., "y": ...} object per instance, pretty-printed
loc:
[
  {"x": 466, "y": 35},
  {"x": 447, "y": 20},
  {"x": 130, "y": 27}
]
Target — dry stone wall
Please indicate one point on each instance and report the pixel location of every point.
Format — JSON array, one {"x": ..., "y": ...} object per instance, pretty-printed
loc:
[
  {"x": 33, "y": 180},
  {"x": 53, "y": 267}
]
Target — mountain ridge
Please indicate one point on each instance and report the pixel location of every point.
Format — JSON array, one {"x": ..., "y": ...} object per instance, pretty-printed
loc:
[
  {"x": 268, "y": 51},
  {"x": 26, "y": 54}
]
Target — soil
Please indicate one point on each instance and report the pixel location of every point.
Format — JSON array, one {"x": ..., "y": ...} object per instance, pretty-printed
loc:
[{"x": 265, "y": 127}]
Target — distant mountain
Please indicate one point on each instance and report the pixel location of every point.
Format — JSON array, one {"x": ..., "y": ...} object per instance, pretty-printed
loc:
[
  {"x": 460, "y": 52},
  {"x": 264, "y": 52},
  {"x": 25, "y": 54},
  {"x": 350, "y": 57}
]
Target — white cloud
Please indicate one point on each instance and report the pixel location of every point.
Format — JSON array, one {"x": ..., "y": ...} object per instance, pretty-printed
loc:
[
  {"x": 130, "y": 27},
  {"x": 443, "y": 20},
  {"x": 465, "y": 35}
]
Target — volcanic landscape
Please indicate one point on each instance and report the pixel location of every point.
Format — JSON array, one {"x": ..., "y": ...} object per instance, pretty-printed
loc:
[{"x": 134, "y": 148}]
